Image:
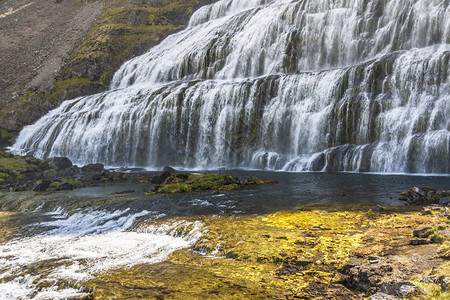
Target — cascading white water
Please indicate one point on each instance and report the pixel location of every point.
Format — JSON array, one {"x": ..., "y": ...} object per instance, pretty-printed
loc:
[
  {"x": 343, "y": 85},
  {"x": 79, "y": 247}
]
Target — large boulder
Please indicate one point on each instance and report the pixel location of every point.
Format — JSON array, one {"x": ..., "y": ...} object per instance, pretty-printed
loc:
[
  {"x": 59, "y": 163},
  {"x": 93, "y": 168},
  {"x": 160, "y": 179}
]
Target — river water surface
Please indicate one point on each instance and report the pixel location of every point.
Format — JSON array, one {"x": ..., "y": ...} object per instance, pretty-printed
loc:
[{"x": 55, "y": 248}]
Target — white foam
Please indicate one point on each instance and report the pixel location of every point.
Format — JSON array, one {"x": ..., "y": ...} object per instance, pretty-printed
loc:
[{"x": 84, "y": 244}]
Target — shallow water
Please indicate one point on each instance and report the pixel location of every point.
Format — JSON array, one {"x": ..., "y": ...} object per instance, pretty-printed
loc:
[
  {"x": 293, "y": 189},
  {"x": 68, "y": 245}
]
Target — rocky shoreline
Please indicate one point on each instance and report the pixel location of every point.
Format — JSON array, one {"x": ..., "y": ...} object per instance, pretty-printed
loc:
[{"x": 19, "y": 173}]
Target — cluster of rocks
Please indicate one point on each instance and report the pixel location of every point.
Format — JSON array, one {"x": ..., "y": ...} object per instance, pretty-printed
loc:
[
  {"x": 427, "y": 235},
  {"x": 369, "y": 276},
  {"x": 59, "y": 173},
  {"x": 420, "y": 195}
]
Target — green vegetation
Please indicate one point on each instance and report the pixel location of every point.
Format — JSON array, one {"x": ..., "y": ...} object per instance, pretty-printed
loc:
[
  {"x": 182, "y": 182},
  {"x": 122, "y": 33},
  {"x": 13, "y": 168},
  {"x": 285, "y": 255},
  {"x": 6, "y": 138},
  {"x": 58, "y": 183}
]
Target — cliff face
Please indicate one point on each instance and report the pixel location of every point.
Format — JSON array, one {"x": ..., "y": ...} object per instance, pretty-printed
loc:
[{"x": 51, "y": 50}]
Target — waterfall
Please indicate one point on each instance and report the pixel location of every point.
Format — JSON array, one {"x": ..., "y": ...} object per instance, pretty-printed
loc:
[{"x": 296, "y": 85}]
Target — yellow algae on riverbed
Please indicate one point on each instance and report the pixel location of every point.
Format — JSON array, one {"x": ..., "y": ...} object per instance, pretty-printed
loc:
[
  {"x": 6, "y": 230},
  {"x": 289, "y": 254}
]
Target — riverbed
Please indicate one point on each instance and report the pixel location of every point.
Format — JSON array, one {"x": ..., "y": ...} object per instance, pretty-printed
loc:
[{"x": 60, "y": 240}]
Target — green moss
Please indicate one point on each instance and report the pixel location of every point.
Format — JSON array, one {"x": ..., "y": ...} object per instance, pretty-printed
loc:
[
  {"x": 285, "y": 255},
  {"x": 50, "y": 173},
  {"x": 6, "y": 138},
  {"x": 16, "y": 166},
  {"x": 3, "y": 177},
  {"x": 56, "y": 184},
  {"x": 181, "y": 182}
]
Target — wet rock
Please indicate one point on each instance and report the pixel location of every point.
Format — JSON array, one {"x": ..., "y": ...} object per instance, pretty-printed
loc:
[
  {"x": 169, "y": 169},
  {"x": 59, "y": 163},
  {"x": 160, "y": 179},
  {"x": 423, "y": 195},
  {"x": 445, "y": 201},
  {"x": 41, "y": 185},
  {"x": 66, "y": 187},
  {"x": 125, "y": 192},
  {"x": 378, "y": 208},
  {"x": 93, "y": 168},
  {"x": 96, "y": 176},
  {"x": 422, "y": 232},
  {"x": 381, "y": 296}
]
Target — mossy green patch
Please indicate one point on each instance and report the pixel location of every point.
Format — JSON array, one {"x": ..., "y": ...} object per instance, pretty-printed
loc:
[
  {"x": 182, "y": 182},
  {"x": 16, "y": 167},
  {"x": 6, "y": 138},
  {"x": 57, "y": 184}
]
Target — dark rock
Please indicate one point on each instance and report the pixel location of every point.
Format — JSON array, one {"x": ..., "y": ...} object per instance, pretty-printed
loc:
[
  {"x": 445, "y": 282},
  {"x": 416, "y": 242},
  {"x": 422, "y": 232},
  {"x": 444, "y": 200},
  {"x": 169, "y": 169},
  {"x": 93, "y": 168},
  {"x": 96, "y": 176},
  {"x": 125, "y": 192},
  {"x": 75, "y": 169},
  {"x": 160, "y": 179},
  {"x": 364, "y": 276},
  {"x": 423, "y": 195},
  {"x": 378, "y": 208},
  {"x": 401, "y": 289},
  {"x": 59, "y": 163},
  {"x": 66, "y": 187},
  {"x": 381, "y": 296},
  {"x": 42, "y": 185}
]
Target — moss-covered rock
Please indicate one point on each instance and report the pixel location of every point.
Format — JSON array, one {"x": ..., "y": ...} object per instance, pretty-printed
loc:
[{"x": 183, "y": 182}]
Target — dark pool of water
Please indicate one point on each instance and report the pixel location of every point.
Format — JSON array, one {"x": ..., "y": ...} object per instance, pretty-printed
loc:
[{"x": 293, "y": 190}]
